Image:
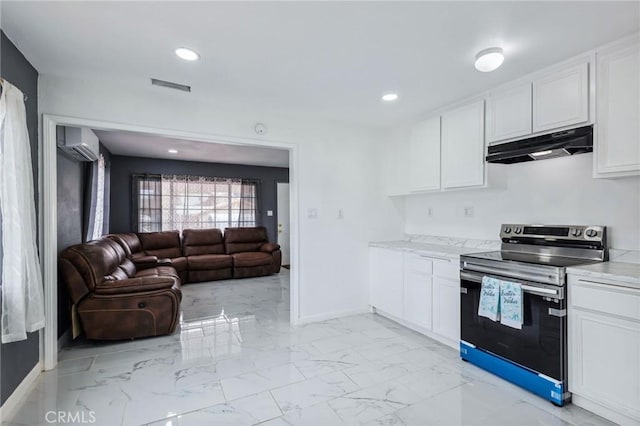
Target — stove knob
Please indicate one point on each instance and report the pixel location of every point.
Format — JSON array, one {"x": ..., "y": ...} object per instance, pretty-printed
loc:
[
  {"x": 591, "y": 233},
  {"x": 507, "y": 230},
  {"x": 518, "y": 230},
  {"x": 577, "y": 232}
]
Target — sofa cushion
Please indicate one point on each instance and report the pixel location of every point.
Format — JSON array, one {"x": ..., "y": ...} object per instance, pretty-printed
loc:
[
  {"x": 248, "y": 259},
  {"x": 179, "y": 263},
  {"x": 202, "y": 241},
  {"x": 238, "y": 240},
  {"x": 206, "y": 262},
  {"x": 160, "y": 271},
  {"x": 161, "y": 244},
  {"x": 129, "y": 242}
]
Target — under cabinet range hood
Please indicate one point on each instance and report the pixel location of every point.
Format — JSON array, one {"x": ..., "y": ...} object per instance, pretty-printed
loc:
[{"x": 559, "y": 144}]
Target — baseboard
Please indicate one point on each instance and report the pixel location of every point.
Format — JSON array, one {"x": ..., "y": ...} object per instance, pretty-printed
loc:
[
  {"x": 65, "y": 339},
  {"x": 8, "y": 408},
  {"x": 332, "y": 315},
  {"x": 603, "y": 411}
]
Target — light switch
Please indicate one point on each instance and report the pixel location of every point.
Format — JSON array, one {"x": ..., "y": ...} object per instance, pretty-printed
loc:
[
  {"x": 312, "y": 213},
  {"x": 468, "y": 211},
  {"x": 340, "y": 214},
  {"x": 269, "y": 212}
]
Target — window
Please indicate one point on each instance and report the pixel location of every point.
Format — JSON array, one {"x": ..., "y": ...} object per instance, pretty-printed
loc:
[{"x": 170, "y": 202}]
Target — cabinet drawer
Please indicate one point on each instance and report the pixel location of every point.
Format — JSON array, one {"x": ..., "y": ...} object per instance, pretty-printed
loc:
[
  {"x": 605, "y": 298},
  {"x": 447, "y": 269},
  {"x": 416, "y": 264}
]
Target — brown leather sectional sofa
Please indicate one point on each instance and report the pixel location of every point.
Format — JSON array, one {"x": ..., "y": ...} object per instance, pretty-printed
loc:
[{"x": 128, "y": 285}]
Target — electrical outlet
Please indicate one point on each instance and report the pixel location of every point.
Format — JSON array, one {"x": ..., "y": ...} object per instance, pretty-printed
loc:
[
  {"x": 312, "y": 213},
  {"x": 269, "y": 212},
  {"x": 340, "y": 214},
  {"x": 468, "y": 212},
  {"x": 430, "y": 211}
]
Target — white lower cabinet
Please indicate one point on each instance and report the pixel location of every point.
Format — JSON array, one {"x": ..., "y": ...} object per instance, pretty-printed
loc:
[
  {"x": 446, "y": 308},
  {"x": 604, "y": 349},
  {"x": 385, "y": 275},
  {"x": 418, "y": 285},
  {"x": 420, "y": 291}
]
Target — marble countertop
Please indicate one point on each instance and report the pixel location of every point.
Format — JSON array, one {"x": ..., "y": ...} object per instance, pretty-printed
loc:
[
  {"x": 627, "y": 274},
  {"x": 444, "y": 250}
]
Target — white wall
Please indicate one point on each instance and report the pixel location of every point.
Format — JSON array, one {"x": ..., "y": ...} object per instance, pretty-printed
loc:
[
  {"x": 555, "y": 191},
  {"x": 337, "y": 170}
]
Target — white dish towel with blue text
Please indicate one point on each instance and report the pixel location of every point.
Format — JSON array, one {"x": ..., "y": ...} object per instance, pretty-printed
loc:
[{"x": 489, "y": 306}]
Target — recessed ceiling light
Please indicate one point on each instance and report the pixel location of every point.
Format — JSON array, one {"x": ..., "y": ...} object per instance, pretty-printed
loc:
[
  {"x": 187, "y": 54},
  {"x": 489, "y": 59},
  {"x": 173, "y": 151},
  {"x": 390, "y": 97}
]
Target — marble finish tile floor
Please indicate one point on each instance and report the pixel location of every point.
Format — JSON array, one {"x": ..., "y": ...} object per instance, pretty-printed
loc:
[{"x": 235, "y": 360}]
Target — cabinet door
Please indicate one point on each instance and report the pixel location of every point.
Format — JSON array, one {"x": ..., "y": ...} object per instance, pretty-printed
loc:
[
  {"x": 561, "y": 99},
  {"x": 385, "y": 278},
  {"x": 425, "y": 155},
  {"x": 509, "y": 113},
  {"x": 463, "y": 146},
  {"x": 417, "y": 290},
  {"x": 446, "y": 308},
  {"x": 617, "y": 147},
  {"x": 603, "y": 357}
]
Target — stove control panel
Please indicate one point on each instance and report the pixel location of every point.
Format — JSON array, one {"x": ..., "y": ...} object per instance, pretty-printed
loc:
[{"x": 515, "y": 233}]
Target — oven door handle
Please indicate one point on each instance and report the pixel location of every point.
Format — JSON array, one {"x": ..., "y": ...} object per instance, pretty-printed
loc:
[
  {"x": 540, "y": 291},
  {"x": 507, "y": 273}
]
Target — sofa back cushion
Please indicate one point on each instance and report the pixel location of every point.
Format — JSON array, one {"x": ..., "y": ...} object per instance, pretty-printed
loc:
[
  {"x": 129, "y": 242},
  {"x": 202, "y": 241},
  {"x": 164, "y": 244},
  {"x": 239, "y": 240}
]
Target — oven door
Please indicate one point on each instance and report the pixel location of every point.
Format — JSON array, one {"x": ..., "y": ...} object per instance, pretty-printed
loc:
[{"x": 541, "y": 343}]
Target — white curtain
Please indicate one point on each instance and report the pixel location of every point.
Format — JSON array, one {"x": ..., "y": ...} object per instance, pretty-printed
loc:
[{"x": 22, "y": 302}]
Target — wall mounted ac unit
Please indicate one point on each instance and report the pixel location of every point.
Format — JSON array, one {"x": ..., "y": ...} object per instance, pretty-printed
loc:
[{"x": 78, "y": 142}]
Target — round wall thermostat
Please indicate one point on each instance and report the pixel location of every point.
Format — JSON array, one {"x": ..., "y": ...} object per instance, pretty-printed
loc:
[{"x": 260, "y": 129}]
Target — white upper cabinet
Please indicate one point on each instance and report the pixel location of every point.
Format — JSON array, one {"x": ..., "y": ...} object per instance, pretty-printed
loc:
[
  {"x": 425, "y": 156},
  {"x": 561, "y": 99},
  {"x": 617, "y": 146},
  {"x": 463, "y": 146},
  {"x": 509, "y": 113}
]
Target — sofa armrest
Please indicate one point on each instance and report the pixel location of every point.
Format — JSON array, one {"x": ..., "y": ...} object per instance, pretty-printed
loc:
[
  {"x": 135, "y": 285},
  {"x": 164, "y": 262},
  {"x": 145, "y": 262},
  {"x": 269, "y": 247}
]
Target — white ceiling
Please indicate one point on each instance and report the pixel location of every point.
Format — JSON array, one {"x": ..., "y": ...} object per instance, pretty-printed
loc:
[
  {"x": 151, "y": 146},
  {"x": 330, "y": 60}
]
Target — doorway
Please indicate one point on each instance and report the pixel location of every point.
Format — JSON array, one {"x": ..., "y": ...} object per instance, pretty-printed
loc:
[
  {"x": 284, "y": 233},
  {"x": 48, "y": 202}
]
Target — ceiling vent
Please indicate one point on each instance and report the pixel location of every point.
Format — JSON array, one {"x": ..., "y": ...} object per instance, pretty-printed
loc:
[{"x": 170, "y": 85}]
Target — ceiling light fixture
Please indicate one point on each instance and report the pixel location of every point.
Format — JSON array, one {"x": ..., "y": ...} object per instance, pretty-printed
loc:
[
  {"x": 490, "y": 59},
  {"x": 389, "y": 97},
  {"x": 187, "y": 54},
  {"x": 173, "y": 151}
]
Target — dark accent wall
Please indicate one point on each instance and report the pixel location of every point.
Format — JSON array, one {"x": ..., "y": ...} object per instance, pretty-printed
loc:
[
  {"x": 71, "y": 198},
  {"x": 17, "y": 359},
  {"x": 123, "y": 167}
]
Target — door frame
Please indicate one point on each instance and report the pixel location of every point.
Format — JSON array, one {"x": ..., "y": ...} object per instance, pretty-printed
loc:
[
  {"x": 49, "y": 216},
  {"x": 275, "y": 186}
]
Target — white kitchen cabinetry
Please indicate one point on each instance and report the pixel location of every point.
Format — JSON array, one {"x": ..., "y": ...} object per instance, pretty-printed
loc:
[
  {"x": 386, "y": 284},
  {"x": 463, "y": 146},
  {"x": 446, "y": 300},
  {"x": 561, "y": 99},
  {"x": 419, "y": 291},
  {"x": 425, "y": 156},
  {"x": 617, "y": 146},
  {"x": 418, "y": 285},
  {"x": 604, "y": 348},
  {"x": 509, "y": 113}
]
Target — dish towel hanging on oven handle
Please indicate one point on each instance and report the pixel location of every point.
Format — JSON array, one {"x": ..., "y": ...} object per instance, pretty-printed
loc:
[
  {"x": 489, "y": 306},
  {"x": 511, "y": 304}
]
